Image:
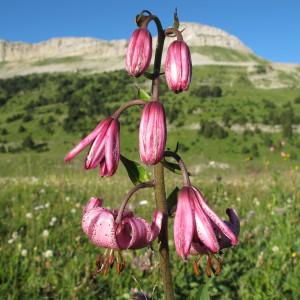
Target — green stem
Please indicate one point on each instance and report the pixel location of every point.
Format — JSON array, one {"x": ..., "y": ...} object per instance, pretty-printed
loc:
[{"x": 159, "y": 187}]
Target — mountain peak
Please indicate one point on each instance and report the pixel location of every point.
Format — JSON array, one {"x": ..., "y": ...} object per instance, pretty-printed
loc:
[{"x": 196, "y": 34}]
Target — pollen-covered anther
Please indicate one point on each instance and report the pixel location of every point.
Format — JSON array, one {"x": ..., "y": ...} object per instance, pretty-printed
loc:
[{"x": 213, "y": 265}]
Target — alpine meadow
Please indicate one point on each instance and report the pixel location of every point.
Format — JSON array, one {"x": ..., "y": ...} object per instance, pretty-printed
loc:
[{"x": 237, "y": 128}]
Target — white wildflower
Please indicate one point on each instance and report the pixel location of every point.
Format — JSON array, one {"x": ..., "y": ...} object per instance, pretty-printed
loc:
[
  {"x": 29, "y": 215},
  {"x": 48, "y": 253},
  {"x": 10, "y": 241},
  {"x": 275, "y": 249},
  {"x": 73, "y": 210},
  {"x": 45, "y": 233},
  {"x": 143, "y": 202},
  {"x": 47, "y": 205},
  {"x": 24, "y": 252}
]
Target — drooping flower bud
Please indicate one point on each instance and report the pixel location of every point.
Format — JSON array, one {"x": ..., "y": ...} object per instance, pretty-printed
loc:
[
  {"x": 139, "y": 52},
  {"x": 153, "y": 133},
  {"x": 178, "y": 66}
]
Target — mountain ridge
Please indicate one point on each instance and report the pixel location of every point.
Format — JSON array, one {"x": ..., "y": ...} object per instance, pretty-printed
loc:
[{"x": 209, "y": 46}]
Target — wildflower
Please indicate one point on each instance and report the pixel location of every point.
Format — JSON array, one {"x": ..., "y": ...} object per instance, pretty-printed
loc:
[
  {"x": 152, "y": 133},
  {"x": 48, "y": 253},
  {"x": 45, "y": 234},
  {"x": 131, "y": 233},
  {"x": 73, "y": 210},
  {"x": 47, "y": 205},
  {"x": 139, "y": 52},
  {"x": 105, "y": 147},
  {"x": 24, "y": 252},
  {"x": 52, "y": 221},
  {"x": 29, "y": 215},
  {"x": 143, "y": 202},
  {"x": 178, "y": 66},
  {"x": 275, "y": 249},
  {"x": 199, "y": 231}
]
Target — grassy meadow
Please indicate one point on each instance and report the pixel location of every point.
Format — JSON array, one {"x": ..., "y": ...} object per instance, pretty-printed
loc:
[{"x": 240, "y": 142}]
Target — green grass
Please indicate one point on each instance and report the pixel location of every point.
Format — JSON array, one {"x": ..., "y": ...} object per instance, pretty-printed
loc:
[{"x": 60, "y": 60}]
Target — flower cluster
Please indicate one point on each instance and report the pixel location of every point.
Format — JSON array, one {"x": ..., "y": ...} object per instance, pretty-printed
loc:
[{"x": 198, "y": 230}]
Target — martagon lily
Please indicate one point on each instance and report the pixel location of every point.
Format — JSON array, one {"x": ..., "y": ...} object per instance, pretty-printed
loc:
[
  {"x": 199, "y": 231},
  {"x": 100, "y": 225},
  {"x": 105, "y": 147}
]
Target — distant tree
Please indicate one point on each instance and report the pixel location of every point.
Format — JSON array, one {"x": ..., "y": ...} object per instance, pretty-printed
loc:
[
  {"x": 22, "y": 129},
  {"x": 28, "y": 142}
]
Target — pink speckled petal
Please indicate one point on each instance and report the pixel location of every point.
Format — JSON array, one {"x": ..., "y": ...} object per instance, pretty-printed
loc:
[
  {"x": 219, "y": 223},
  {"x": 204, "y": 228},
  {"x": 92, "y": 203},
  {"x": 112, "y": 147},
  {"x": 104, "y": 231},
  {"x": 85, "y": 142},
  {"x": 184, "y": 223},
  {"x": 97, "y": 150}
]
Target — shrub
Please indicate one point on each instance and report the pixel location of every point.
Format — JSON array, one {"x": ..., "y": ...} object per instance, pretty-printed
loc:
[
  {"x": 211, "y": 129},
  {"x": 28, "y": 143}
]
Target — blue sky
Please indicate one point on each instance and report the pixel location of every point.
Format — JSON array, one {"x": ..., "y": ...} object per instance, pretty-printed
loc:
[{"x": 270, "y": 27}]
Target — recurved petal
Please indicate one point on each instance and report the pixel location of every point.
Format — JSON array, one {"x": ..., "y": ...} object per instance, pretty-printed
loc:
[
  {"x": 184, "y": 223},
  {"x": 92, "y": 203},
  {"x": 156, "y": 225},
  {"x": 89, "y": 219},
  {"x": 219, "y": 223},
  {"x": 97, "y": 150},
  {"x": 234, "y": 225},
  {"x": 204, "y": 228},
  {"x": 85, "y": 142},
  {"x": 104, "y": 231},
  {"x": 112, "y": 147},
  {"x": 133, "y": 233}
]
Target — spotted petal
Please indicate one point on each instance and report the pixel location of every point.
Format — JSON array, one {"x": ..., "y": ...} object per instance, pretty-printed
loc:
[{"x": 219, "y": 223}]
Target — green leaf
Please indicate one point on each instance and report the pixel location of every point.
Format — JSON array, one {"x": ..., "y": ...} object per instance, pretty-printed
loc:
[
  {"x": 203, "y": 293},
  {"x": 173, "y": 167},
  {"x": 136, "y": 172},
  {"x": 143, "y": 95},
  {"x": 172, "y": 201}
]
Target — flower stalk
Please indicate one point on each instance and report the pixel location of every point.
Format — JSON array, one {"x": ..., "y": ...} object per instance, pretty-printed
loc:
[{"x": 159, "y": 188}]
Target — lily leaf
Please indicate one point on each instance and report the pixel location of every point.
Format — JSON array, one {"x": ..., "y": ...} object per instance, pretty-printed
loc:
[
  {"x": 172, "y": 201},
  {"x": 136, "y": 172},
  {"x": 203, "y": 293},
  {"x": 143, "y": 95},
  {"x": 173, "y": 167}
]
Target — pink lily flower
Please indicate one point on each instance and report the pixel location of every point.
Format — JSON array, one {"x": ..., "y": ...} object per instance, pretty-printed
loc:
[
  {"x": 139, "y": 52},
  {"x": 132, "y": 233},
  {"x": 105, "y": 147},
  {"x": 196, "y": 224},
  {"x": 178, "y": 66},
  {"x": 152, "y": 133}
]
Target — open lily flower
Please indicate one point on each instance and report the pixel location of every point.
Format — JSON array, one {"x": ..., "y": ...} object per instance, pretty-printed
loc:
[
  {"x": 196, "y": 223},
  {"x": 223, "y": 240},
  {"x": 105, "y": 147},
  {"x": 132, "y": 233}
]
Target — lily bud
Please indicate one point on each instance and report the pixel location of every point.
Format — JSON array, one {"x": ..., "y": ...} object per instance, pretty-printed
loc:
[
  {"x": 178, "y": 66},
  {"x": 152, "y": 133},
  {"x": 139, "y": 52}
]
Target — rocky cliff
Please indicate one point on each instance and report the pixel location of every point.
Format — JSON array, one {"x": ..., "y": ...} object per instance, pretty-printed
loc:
[{"x": 194, "y": 34}]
